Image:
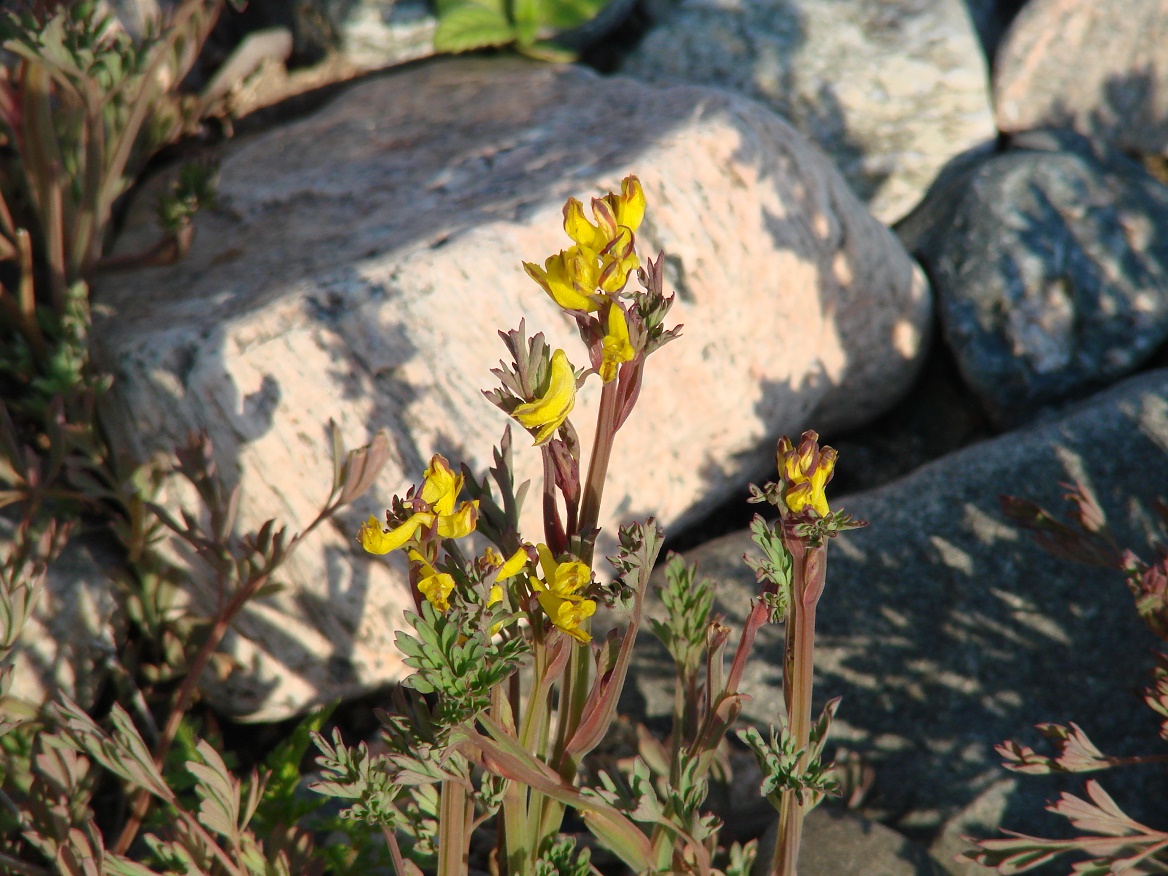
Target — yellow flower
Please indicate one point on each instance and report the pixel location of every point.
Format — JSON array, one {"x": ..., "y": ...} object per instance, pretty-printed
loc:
[
  {"x": 615, "y": 348},
  {"x": 611, "y": 237},
  {"x": 440, "y": 489},
  {"x": 434, "y": 585},
  {"x": 504, "y": 570},
  {"x": 559, "y": 596},
  {"x": 570, "y": 277},
  {"x": 440, "y": 486},
  {"x": 618, "y": 260},
  {"x": 805, "y": 472},
  {"x": 610, "y": 212},
  {"x": 548, "y": 412},
  {"x": 381, "y": 541}
]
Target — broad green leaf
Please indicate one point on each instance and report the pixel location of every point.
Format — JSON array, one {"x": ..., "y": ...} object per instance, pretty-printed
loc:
[{"x": 472, "y": 26}]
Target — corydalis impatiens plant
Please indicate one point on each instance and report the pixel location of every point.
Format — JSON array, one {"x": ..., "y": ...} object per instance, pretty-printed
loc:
[
  {"x": 481, "y": 614},
  {"x": 793, "y": 573},
  {"x": 1109, "y": 840},
  {"x": 517, "y": 692}
]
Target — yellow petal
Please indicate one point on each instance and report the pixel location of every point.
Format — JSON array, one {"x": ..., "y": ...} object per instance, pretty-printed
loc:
[
  {"x": 548, "y": 412},
  {"x": 514, "y": 565},
  {"x": 441, "y": 486},
  {"x": 580, "y": 229},
  {"x": 547, "y": 563},
  {"x": 496, "y": 595},
  {"x": 615, "y": 348},
  {"x": 630, "y": 207},
  {"x": 380, "y": 541},
  {"x": 567, "y": 613},
  {"x": 570, "y": 578},
  {"x": 619, "y": 259},
  {"x": 437, "y": 589},
  {"x": 461, "y": 523}
]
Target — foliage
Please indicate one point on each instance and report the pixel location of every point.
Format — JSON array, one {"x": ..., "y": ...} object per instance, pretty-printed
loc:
[
  {"x": 529, "y": 25},
  {"x": 1109, "y": 841}
]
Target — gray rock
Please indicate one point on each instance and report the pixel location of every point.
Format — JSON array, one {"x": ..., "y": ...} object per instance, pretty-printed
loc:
[
  {"x": 1097, "y": 66},
  {"x": 1051, "y": 269},
  {"x": 381, "y": 33},
  {"x": 836, "y": 842},
  {"x": 363, "y": 258},
  {"x": 75, "y": 626},
  {"x": 890, "y": 90},
  {"x": 947, "y": 630}
]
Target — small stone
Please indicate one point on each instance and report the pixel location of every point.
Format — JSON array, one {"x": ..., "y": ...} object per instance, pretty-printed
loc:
[
  {"x": 889, "y": 90},
  {"x": 1096, "y": 66},
  {"x": 1051, "y": 270}
]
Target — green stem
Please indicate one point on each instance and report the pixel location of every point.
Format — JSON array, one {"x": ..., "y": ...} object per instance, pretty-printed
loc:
[{"x": 453, "y": 839}]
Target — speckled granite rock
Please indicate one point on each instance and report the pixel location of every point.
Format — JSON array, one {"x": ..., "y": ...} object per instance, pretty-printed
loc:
[
  {"x": 1051, "y": 269},
  {"x": 890, "y": 90},
  {"x": 1097, "y": 66},
  {"x": 363, "y": 258}
]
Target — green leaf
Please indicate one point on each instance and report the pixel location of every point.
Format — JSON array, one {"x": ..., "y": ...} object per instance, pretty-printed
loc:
[
  {"x": 472, "y": 26},
  {"x": 565, "y": 14}
]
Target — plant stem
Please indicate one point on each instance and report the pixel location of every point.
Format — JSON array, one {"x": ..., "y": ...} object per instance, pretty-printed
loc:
[
  {"x": 453, "y": 837},
  {"x": 598, "y": 464},
  {"x": 808, "y": 573}
]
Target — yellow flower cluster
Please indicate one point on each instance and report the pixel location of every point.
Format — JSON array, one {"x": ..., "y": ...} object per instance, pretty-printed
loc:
[
  {"x": 603, "y": 254},
  {"x": 559, "y": 590},
  {"x": 559, "y": 593},
  {"x": 587, "y": 278},
  {"x": 440, "y": 490}
]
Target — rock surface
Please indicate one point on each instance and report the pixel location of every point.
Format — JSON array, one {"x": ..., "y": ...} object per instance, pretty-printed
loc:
[
  {"x": 1097, "y": 66},
  {"x": 74, "y": 627},
  {"x": 363, "y": 258},
  {"x": 890, "y": 90},
  {"x": 946, "y": 630},
  {"x": 1050, "y": 263}
]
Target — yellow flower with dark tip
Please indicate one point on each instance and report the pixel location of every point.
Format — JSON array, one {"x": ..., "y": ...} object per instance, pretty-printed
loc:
[
  {"x": 439, "y": 495},
  {"x": 434, "y": 585},
  {"x": 547, "y": 412},
  {"x": 570, "y": 277},
  {"x": 805, "y": 472},
  {"x": 615, "y": 348},
  {"x": 559, "y": 593}
]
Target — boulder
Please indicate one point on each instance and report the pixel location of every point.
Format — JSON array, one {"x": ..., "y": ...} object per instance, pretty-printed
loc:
[
  {"x": 363, "y": 258},
  {"x": 946, "y": 630},
  {"x": 1096, "y": 66},
  {"x": 891, "y": 90},
  {"x": 1050, "y": 263}
]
